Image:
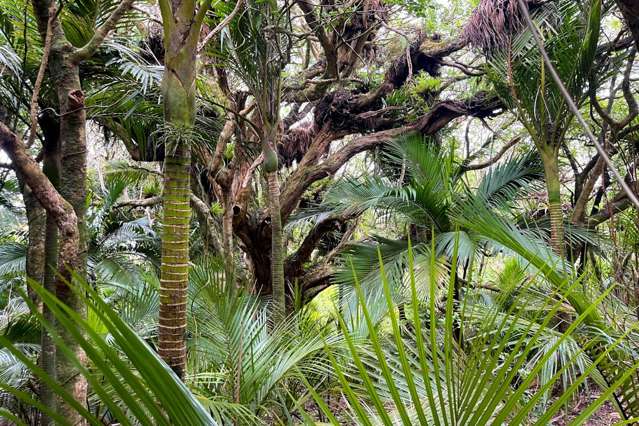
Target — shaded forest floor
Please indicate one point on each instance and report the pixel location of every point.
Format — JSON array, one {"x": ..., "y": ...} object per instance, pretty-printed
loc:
[{"x": 605, "y": 416}]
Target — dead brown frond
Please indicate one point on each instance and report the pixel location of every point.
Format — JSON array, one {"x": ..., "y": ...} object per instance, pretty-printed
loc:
[{"x": 493, "y": 22}]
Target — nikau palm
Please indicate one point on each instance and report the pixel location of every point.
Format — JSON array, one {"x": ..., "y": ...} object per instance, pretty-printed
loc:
[
  {"x": 428, "y": 203},
  {"x": 425, "y": 285},
  {"x": 258, "y": 51},
  {"x": 182, "y": 21},
  {"x": 515, "y": 66}
]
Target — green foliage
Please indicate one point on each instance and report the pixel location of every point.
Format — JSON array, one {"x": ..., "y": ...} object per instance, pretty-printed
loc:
[
  {"x": 419, "y": 373},
  {"x": 139, "y": 384},
  {"x": 518, "y": 72},
  {"x": 429, "y": 201}
]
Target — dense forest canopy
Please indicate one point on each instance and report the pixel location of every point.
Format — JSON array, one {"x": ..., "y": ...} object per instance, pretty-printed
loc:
[{"x": 310, "y": 212}]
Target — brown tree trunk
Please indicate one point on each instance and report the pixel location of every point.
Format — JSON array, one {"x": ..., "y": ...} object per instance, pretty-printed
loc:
[
  {"x": 70, "y": 258},
  {"x": 65, "y": 73},
  {"x": 630, "y": 11},
  {"x": 51, "y": 168},
  {"x": 36, "y": 220}
]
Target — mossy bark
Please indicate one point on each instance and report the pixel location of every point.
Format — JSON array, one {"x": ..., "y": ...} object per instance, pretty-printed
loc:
[{"x": 65, "y": 74}]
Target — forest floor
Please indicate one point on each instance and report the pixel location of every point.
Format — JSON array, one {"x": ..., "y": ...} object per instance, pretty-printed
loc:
[{"x": 606, "y": 415}]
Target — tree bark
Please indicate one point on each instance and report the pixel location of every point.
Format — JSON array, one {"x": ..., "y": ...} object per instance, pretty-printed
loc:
[
  {"x": 550, "y": 160},
  {"x": 66, "y": 73},
  {"x": 182, "y": 23},
  {"x": 277, "y": 249},
  {"x": 227, "y": 242},
  {"x": 51, "y": 168},
  {"x": 36, "y": 221},
  {"x": 70, "y": 258},
  {"x": 630, "y": 11}
]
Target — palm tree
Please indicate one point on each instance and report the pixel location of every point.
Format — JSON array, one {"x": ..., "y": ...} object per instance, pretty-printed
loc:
[
  {"x": 427, "y": 204},
  {"x": 259, "y": 47},
  {"x": 182, "y": 21},
  {"x": 420, "y": 374},
  {"x": 515, "y": 67},
  {"x": 134, "y": 384}
]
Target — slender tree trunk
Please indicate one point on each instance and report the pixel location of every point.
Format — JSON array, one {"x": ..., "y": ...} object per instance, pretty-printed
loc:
[
  {"x": 227, "y": 242},
  {"x": 277, "y": 249},
  {"x": 36, "y": 220},
  {"x": 182, "y": 22},
  {"x": 65, "y": 74},
  {"x": 269, "y": 150},
  {"x": 51, "y": 168},
  {"x": 553, "y": 185}
]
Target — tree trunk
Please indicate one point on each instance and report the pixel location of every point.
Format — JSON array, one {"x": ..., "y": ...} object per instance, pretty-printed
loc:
[
  {"x": 65, "y": 75},
  {"x": 175, "y": 259},
  {"x": 182, "y": 23},
  {"x": 269, "y": 150},
  {"x": 51, "y": 168},
  {"x": 277, "y": 249},
  {"x": 69, "y": 249},
  {"x": 227, "y": 242},
  {"x": 550, "y": 160},
  {"x": 630, "y": 11},
  {"x": 36, "y": 220},
  {"x": 73, "y": 153}
]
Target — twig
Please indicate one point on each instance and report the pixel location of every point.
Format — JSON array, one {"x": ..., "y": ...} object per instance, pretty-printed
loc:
[
  {"x": 494, "y": 159},
  {"x": 220, "y": 26}
]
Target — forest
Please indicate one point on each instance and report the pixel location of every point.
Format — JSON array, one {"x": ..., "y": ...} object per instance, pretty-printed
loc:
[{"x": 345, "y": 212}]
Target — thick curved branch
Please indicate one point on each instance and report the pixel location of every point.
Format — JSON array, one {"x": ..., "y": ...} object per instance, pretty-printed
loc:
[
  {"x": 295, "y": 262},
  {"x": 618, "y": 205},
  {"x": 49, "y": 198},
  {"x": 143, "y": 202},
  {"x": 316, "y": 26},
  {"x": 480, "y": 105},
  {"x": 424, "y": 54}
]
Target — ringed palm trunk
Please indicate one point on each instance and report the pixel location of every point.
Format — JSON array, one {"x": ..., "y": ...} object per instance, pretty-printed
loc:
[
  {"x": 182, "y": 23},
  {"x": 550, "y": 160},
  {"x": 175, "y": 257},
  {"x": 277, "y": 244}
]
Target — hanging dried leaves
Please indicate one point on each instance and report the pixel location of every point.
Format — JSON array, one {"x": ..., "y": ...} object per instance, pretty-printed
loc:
[{"x": 493, "y": 22}]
